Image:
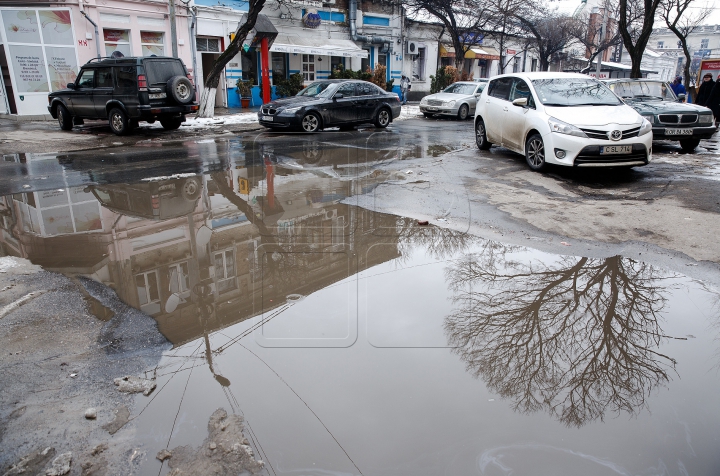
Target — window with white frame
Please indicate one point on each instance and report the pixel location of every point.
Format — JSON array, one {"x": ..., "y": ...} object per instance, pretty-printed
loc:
[
  {"x": 116, "y": 40},
  {"x": 660, "y": 45},
  {"x": 308, "y": 67},
  {"x": 152, "y": 43},
  {"x": 225, "y": 271},
  {"x": 179, "y": 278},
  {"x": 254, "y": 261},
  {"x": 148, "y": 292},
  {"x": 418, "y": 65}
]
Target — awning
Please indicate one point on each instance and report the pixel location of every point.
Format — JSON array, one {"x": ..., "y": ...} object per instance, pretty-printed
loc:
[
  {"x": 317, "y": 46},
  {"x": 477, "y": 52}
]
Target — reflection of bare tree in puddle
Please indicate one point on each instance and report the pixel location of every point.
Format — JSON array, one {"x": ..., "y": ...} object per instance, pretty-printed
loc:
[
  {"x": 577, "y": 338},
  {"x": 439, "y": 243}
]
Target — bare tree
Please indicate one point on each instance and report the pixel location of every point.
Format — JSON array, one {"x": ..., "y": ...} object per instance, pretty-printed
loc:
[
  {"x": 504, "y": 26},
  {"x": 462, "y": 20},
  {"x": 683, "y": 23},
  {"x": 552, "y": 31},
  {"x": 635, "y": 24},
  {"x": 207, "y": 99},
  {"x": 577, "y": 338},
  {"x": 588, "y": 34}
]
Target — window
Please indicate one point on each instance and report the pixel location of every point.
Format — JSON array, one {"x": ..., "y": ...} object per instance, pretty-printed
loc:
[
  {"x": 347, "y": 90},
  {"x": 704, "y": 43},
  {"x": 126, "y": 77},
  {"x": 148, "y": 294},
  {"x": 365, "y": 62},
  {"x": 382, "y": 59},
  {"x": 328, "y": 16},
  {"x": 679, "y": 44},
  {"x": 660, "y": 44},
  {"x": 375, "y": 21},
  {"x": 225, "y": 271},
  {"x": 516, "y": 65},
  {"x": 418, "y": 66},
  {"x": 336, "y": 62},
  {"x": 308, "y": 67},
  {"x": 117, "y": 40},
  {"x": 278, "y": 67},
  {"x": 500, "y": 88},
  {"x": 211, "y": 45},
  {"x": 534, "y": 65},
  {"x": 522, "y": 90},
  {"x": 152, "y": 43},
  {"x": 179, "y": 278},
  {"x": 249, "y": 64},
  {"x": 103, "y": 78},
  {"x": 85, "y": 80}
]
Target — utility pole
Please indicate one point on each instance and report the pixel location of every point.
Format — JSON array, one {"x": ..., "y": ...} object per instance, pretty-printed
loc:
[
  {"x": 173, "y": 30},
  {"x": 600, "y": 42}
]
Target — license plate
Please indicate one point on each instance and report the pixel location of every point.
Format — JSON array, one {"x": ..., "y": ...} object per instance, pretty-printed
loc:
[
  {"x": 158, "y": 96},
  {"x": 678, "y": 132},
  {"x": 267, "y": 118},
  {"x": 615, "y": 149},
  {"x": 432, "y": 108}
]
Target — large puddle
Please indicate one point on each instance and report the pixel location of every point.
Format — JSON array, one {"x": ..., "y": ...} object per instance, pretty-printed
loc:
[{"x": 355, "y": 342}]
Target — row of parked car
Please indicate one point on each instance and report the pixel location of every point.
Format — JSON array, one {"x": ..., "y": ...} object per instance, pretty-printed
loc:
[{"x": 550, "y": 118}]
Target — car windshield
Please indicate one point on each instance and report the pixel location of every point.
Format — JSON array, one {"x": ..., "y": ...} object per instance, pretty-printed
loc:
[
  {"x": 460, "y": 88},
  {"x": 653, "y": 90},
  {"x": 569, "y": 92},
  {"x": 320, "y": 89}
]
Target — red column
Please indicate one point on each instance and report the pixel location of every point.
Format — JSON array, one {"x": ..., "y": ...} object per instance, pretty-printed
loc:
[
  {"x": 270, "y": 177},
  {"x": 265, "y": 60}
]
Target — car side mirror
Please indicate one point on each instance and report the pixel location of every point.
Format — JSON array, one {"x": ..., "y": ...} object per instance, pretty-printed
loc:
[
  {"x": 681, "y": 97},
  {"x": 521, "y": 102},
  {"x": 70, "y": 85},
  {"x": 338, "y": 96}
]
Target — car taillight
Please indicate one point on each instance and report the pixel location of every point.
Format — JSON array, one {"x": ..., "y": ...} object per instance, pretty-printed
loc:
[{"x": 142, "y": 82}]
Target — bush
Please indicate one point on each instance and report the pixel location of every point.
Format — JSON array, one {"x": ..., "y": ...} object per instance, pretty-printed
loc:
[
  {"x": 290, "y": 86},
  {"x": 444, "y": 77},
  {"x": 389, "y": 85},
  {"x": 343, "y": 73},
  {"x": 379, "y": 75}
]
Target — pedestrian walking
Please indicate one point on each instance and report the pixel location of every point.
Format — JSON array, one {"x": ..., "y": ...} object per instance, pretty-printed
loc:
[
  {"x": 404, "y": 87},
  {"x": 713, "y": 100},
  {"x": 677, "y": 86},
  {"x": 704, "y": 91}
]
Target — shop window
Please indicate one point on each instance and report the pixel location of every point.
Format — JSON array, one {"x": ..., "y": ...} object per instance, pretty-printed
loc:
[
  {"x": 375, "y": 21},
  {"x": 382, "y": 59},
  {"x": 148, "y": 292},
  {"x": 152, "y": 43},
  {"x": 249, "y": 64},
  {"x": 516, "y": 65},
  {"x": 336, "y": 62},
  {"x": 117, "y": 40},
  {"x": 211, "y": 45},
  {"x": 704, "y": 43},
  {"x": 278, "y": 67},
  {"x": 225, "y": 271},
  {"x": 483, "y": 68},
  {"x": 418, "y": 65},
  {"x": 308, "y": 67},
  {"x": 365, "y": 62}
]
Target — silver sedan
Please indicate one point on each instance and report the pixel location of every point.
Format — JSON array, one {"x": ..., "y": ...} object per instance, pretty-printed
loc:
[{"x": 458, "y": 99}]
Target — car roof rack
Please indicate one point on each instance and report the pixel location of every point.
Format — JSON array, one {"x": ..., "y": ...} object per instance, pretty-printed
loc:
[{"x": 103, "y": 58}]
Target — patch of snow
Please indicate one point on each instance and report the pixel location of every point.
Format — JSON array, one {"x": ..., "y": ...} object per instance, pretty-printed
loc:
[
  {"x": 212, "y": 122},
  {"x": 7, "y": 263},
  {"x": 168, "y": 177},
  {"x": 408, "y": 112}
]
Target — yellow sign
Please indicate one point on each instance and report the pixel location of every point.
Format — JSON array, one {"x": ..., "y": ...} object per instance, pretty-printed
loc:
[{"x": 244, "y": 186}]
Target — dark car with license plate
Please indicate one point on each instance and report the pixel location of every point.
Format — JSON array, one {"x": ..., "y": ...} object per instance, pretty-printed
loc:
[
  {"x": 671, "y": 119},
  {"x": 124, "y": 91},
  {"x": 332, "y": 103}
]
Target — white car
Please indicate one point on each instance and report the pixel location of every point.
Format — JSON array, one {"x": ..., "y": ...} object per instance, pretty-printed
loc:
[
  {"x": 561, "y": 118},
  {"x": 457, "y": 100}
]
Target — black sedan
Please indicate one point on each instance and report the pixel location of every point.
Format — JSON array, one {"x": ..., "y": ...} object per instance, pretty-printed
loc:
[{"x": 332, "y": 103}]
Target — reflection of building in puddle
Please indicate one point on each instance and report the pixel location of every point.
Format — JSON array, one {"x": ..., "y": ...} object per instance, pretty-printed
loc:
[
  {"x": 578, "y": 338},
  {"x": 244, "y": 239}
]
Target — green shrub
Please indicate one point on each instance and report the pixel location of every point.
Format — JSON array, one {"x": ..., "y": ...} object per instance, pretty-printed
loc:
[
  {"x": 444, "y": 77},
  {"x": 290, "y": 86}
]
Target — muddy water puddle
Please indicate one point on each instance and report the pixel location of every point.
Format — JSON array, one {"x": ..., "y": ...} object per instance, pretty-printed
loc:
[{"x": 356, "y": 342}]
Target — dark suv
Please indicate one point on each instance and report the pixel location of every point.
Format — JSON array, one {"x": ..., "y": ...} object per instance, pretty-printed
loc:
[{"x": 124, "y": 91}]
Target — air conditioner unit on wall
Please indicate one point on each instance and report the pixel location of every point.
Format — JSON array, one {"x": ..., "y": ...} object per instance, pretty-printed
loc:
[{"x": 411, "y": 48}]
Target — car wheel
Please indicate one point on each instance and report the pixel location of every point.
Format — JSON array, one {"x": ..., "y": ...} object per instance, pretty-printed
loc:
[
  {"x": 688, "y": 145},
  {"x": 64, "y": 119},
  {"x": 535, "y": 152},
  {"x": 463, "y": 112},
  {"x": 191, "y": 189},
  {"x": 180, "y": 89},
  {"x": 119, "y": 122},
  {"x": 171, "y": 123},
  {"x": 383, "y": 118},
  {"x": 481, "y": 136},
  {"x": 428, "y": 115},
  {"x": 311, "y": 122}
]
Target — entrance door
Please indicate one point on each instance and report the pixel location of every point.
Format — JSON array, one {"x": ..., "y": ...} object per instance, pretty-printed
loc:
[{"x": 207, "y": 60}]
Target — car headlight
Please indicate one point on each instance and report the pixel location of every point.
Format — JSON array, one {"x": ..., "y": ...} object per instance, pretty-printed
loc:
[
  {"x": 650, "y": 118},
  {"x": 706, "y": 118},
  {"x": 449, "y": 103},
  {"x": 645, "y": 127},
  {"x": 424, "y": 101},
  {"x": 290, "y": 111},
  {"x": 556, "y": 125}
]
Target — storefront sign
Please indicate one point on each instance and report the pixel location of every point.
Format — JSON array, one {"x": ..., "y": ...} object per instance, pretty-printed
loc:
[
  {"x": 311, "y": 19},
  {"x": 61, "y": 65},
  {"x": 56, "y": 27},
  {"x": 511, "y": 52},
  {"x": 29, "y": 69},
  {"x": 21, "y": 26}
]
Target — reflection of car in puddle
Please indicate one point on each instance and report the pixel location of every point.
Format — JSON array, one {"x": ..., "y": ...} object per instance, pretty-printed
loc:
[{"x": 157, "y": 200}]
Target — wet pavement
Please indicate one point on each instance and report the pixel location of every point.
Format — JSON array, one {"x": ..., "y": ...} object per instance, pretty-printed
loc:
[{"x": 354, "y": 341}]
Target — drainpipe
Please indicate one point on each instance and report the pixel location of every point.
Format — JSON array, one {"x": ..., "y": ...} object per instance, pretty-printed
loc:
[
  {"x": 97, "y": 34},
  {"x": 352, "y": 13},
  {"x": 193, "y": 44}
]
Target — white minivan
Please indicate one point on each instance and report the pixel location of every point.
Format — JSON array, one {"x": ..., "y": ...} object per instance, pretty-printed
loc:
[{"x": 561, "y": 118}]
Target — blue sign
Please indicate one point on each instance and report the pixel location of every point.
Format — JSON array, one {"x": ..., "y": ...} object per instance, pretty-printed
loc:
[{"x": 311, "y": 19}]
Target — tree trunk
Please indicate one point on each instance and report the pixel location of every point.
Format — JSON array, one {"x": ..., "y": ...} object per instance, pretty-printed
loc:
[{"x": 207, "y": 99}]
